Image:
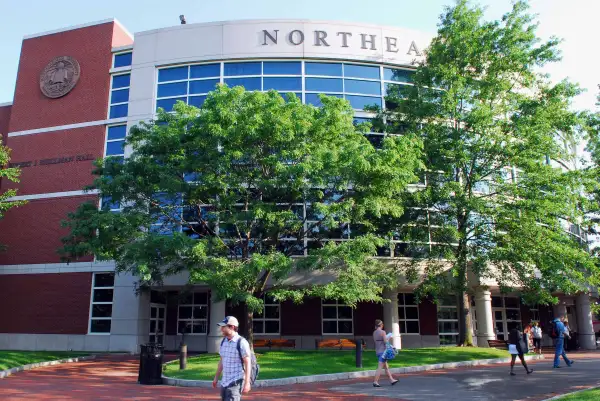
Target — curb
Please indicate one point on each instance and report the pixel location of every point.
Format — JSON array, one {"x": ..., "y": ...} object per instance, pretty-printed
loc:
[
  {"x": 558, "y": 397},
  {"x": 347, "y": 375},
  {"x": 11, "y": 371}
]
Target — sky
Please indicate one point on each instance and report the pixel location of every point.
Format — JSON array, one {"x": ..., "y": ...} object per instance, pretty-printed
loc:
[{"x": 574, "y": 21}]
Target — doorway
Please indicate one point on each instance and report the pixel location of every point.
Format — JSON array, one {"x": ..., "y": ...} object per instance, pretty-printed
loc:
[{"x": 157, "y": 323}]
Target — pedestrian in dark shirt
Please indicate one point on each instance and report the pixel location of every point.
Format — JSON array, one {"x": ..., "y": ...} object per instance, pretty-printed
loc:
[{"x": 517, "y": 347}]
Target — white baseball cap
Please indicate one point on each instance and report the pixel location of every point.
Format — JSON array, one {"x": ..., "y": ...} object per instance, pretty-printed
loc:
[{"x": 229, "y": 321}]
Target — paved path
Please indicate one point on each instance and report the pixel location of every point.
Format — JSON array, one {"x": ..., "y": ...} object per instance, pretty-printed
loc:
[{"x": 114, "y": 378}]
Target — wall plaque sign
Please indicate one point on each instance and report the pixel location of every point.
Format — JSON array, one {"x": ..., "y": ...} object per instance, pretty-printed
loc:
[{"x": 59, "y": 77}]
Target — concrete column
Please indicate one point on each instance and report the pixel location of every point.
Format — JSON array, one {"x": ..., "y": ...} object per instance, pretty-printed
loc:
[
  {"x": 485, "y": 321},
  {"x": 217, "y": 313},
  {"x": 390, "y": 317},
  {"x": 130, "y": 316},
  {"x": 585, "y": 325}
]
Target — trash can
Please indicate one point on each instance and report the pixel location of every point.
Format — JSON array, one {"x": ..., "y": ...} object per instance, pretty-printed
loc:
[{"x": 151, "y": 359}]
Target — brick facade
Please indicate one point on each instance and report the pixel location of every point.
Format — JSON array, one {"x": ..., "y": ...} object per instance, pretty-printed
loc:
[
  {"x": 4, "y": 122},
  {"x": 45, "y": 303}
]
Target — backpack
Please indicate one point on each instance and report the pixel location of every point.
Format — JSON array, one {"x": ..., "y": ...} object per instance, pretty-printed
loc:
[
  {"x": 554, "y": 332},
  {"x": 254, "y": 366}
]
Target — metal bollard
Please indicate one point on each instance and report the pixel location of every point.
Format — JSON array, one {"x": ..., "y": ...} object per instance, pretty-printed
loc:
[
  {"x": 359, "y": 351},
  {"x": 183, "y": 357}
]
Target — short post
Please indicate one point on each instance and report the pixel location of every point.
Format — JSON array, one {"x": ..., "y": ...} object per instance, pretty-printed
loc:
[
  {"x": 183, "y": 353},
  {"x": 359, "y": 353}
]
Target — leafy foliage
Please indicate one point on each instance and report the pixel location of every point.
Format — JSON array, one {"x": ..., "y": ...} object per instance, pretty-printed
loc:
[{"x": 11, "y": 174}]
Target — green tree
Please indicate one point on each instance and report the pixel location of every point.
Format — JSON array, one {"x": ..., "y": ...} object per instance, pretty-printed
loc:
[
  {"x": 10, "y": 174},
  {"x": 500, "y": 189},
  {"x": 231, "y": 192}
]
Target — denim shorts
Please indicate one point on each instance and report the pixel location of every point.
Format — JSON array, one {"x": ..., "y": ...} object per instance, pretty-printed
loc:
[{"x": 380, "y": 357}]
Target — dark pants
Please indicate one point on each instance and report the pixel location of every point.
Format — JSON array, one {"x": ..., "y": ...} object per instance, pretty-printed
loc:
[{"x": 233, "y": 392}]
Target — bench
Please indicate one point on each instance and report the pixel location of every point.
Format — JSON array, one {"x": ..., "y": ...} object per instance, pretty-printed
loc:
[
  {"x": 498, "y": 344},
  {"x": 274, "y": 343},
  {"x": 338, "y": 343}
]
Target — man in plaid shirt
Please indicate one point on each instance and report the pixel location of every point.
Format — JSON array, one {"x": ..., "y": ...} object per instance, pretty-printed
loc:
[{"x": 236, "y": 376}]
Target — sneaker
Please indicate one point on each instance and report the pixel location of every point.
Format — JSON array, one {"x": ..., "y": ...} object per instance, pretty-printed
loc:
[
  {"x": 571, "y": 364},
  {"x": 376, "y": 385},
  {"x": 530, "y": 371},
  {"x": 557, "y": 367}
]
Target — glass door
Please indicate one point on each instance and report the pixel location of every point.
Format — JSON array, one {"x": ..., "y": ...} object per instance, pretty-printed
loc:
[
  {"x": 500, "y": 324},
  {"x": 157, "y": 323}
]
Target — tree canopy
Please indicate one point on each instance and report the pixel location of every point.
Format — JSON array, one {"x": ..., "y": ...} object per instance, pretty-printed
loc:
[{"x": 10, "y": 174}]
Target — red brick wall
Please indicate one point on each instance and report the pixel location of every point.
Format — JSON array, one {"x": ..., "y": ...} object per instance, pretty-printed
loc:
[
  {"x": 301, "y": 319},
  {"x": 70, "y": 176},
  {"x": 32, "y": 232},
  {"x": 88, "y": 101},
  {"x": 45, "y": 303},
  {"x": 4, "y": 121},
  {"x": 364, "y": 317},
  {"x": 428, "y": 318}
]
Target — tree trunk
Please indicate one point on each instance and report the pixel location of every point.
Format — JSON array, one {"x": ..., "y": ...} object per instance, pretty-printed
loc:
[
  {"x": 465, "y": 337},
  {"x": 248, "y": 330}
]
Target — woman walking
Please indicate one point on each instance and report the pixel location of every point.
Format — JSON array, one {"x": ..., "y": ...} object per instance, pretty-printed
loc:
[
  {"x": 516, "y": 347},
  {"x": 380, "y": 339},
  {"x": 536, "y": 331}
]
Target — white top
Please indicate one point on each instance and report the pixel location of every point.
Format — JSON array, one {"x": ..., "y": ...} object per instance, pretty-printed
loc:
[{"x": 537, "y": 332}]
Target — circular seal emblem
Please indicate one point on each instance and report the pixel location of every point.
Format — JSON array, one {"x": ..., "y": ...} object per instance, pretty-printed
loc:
[{"x": 59, "y": 77}]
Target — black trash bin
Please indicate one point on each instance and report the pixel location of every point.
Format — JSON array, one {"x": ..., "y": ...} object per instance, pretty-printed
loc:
[{"x": 151, "y": 360}]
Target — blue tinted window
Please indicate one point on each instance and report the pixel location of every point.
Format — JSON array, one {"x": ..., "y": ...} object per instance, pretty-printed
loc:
[
  {"x": 287, "y": 98},
  {"x": 203, "y": 86},
  {"x": 116, "y": 132},
  {"x": 324, "y": 85},
  {"x": 172, "y": 74},
  {"x": 282, "y": 68},
  {"x": 205, "y": 71},
  {"x": 119, "y": 96},
  {"x": 197, "y": 101},
  {"x": 115, "y": 148},
  {"x": 168, "y": 104},
  {"x": 175, "y": 89},
  {"x": 397, "y": 90},
  {"x": 283, "y": 83},
  {"x": 363, "y": 120},
  {"x": 122, "y": 60},
  {"x": 242, "y": 69},
  {"x": 367, "y": 87},
  {"x": 118, "y": 111},
  {"x": 327, "y": 69},
  {"x": 251, "y": 84},
  {"x": 361, "y": 71},
  {"x": 121, "y": 81},
  {"x": 313, "y": 98},
  {"x": 108, "y": 204},
  {"x": 392, "y": 74},
  {"x": 359, "y": 102}
]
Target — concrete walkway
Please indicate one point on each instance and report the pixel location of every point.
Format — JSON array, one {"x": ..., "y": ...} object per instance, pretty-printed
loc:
[{"x": 114, "y": 378}]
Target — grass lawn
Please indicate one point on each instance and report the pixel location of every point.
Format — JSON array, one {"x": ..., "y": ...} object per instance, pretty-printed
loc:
[
  {"x": 280, "y": 364},
  {"x": 12, "y": 359},
  {"x": 589, "y": 395}
]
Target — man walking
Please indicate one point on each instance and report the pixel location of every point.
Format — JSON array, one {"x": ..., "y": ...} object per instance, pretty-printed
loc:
[
  {"x": 559, "y": 333},
  {"x": 235, "y": 363}
]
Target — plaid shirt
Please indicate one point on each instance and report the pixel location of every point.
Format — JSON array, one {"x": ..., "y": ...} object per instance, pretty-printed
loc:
[{"x": 233, "y": 368}]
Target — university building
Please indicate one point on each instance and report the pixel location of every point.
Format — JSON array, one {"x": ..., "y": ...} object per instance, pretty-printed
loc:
[{"x": 80, "y": 89}]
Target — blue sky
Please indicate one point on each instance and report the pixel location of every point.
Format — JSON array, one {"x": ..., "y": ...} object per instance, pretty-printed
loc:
[{"x": 575, "y": 21}]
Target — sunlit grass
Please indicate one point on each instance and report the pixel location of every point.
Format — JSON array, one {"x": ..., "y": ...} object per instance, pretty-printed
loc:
[
  {"x": 12, "y": 359},
  {"x": 589, "y": 395}
]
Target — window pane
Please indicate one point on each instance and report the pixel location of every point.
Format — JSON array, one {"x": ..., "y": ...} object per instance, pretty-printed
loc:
[
  {"x": 168, "y": 104},
  {"x": 361, "y": 71},
  {"x": 402, "y": 327},
  {"x": 401, "y": 299},
  {"x": 242, "y": 69},
  {"x": 329, "y": 312},
  {"x": 360, "y": 102},
  {"x": 326, "y": 69},
  {"x": 174, "y": 89},
  {"x": 101, "y": 310},
  {"x": 288, "y": 84},
  {"x": 409, "y": 299},
  {"x": 401, "y": 314},
  {"x": 122, "y": 60},
  {"x": 272, "y": 327},
  {"x": 513, "y": 325},
  {"x": 201, "y": 298},
  {"x": 412, "y": 313},
  {"x": 108, "y": 204},
  {"x": 205, "y": 71},
  {"x": 497, "y": 302},
  {"x": 119, "y": 96},
  {"x": 104, "y": 279},
  {"x": 200, "y": 312},
  {"x": 282, "y": 68},
  {"x": 313, "y": 98},
  {"x": 324, "y": 84},
  {"x": 116, "y": 132},
  {"x": 511, "y": 302},
  {"x": 392, "y": 74},
  {"x": 118, "y": 111},
  {"x": 172, "y": 74},
  {"x": 412, "y": 327},
  {"x": 103, "y": 295},
  {"x": 513, "y": 314},
  {"x": 397, "y": 90},
  {"x": 185, "y": 312},
  {"x": 203, "y": 86},
  {"x": 366, "y": 87},
  {"x": 258, "y": 326},
  {"x": 344, "y": 312},
  {"x": 120, "y": 81},
  {"x": 376, "y": 140},
  {"x": 345, "y": 327},
  {"x": 115, "y": 148},
  {"x": 250, "y": 84},
  {"x": 196, "y": 101},
  {"x": 330, "y": 327},
  {"x": 184, "y": 327},
  {"x": 272, "y": 312},
  {"x": 152, "y": 312},
  {"x": 100, "y": 326},
  {"x": 199, "y": 327}
]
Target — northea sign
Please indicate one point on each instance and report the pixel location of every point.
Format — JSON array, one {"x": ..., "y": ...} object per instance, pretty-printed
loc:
[
  {"x": 340, "y": 39},
  {"x": 56, "y": 160},
  {"x": 59, "y": 77}
]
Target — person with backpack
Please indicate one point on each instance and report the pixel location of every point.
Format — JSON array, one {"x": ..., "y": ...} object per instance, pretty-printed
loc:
[
  {"x": 237, "y": 362},
  {"x": 558, "y": 333},
  {"x": 384, "y": 352},
  {"x": 536, "y": 330},
  {"x": 517, "y": 346}
]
